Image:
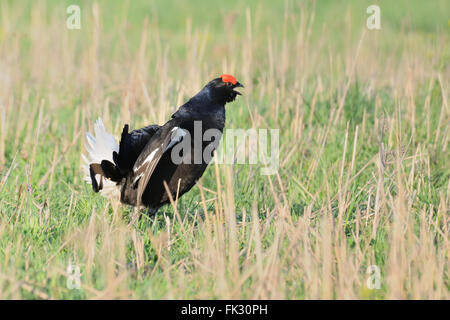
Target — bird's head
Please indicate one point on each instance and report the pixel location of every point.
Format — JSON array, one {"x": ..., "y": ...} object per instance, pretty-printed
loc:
[{"x": 222, "y": 88}]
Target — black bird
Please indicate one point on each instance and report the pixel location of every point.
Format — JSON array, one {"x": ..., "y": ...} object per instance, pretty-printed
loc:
[{"x": 136, "y": 170}]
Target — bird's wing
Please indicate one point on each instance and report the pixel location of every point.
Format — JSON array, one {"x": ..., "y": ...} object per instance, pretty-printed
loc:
[
  {"x": 132, "y": 145},
  {"x": 163, "y": 140}
]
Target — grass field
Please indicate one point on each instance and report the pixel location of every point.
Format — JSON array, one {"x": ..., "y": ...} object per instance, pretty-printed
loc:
[{"x": 363, "y": 184}]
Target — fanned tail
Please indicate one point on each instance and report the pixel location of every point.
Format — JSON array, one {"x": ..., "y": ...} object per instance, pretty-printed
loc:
[{"x": 98, "y": 164}]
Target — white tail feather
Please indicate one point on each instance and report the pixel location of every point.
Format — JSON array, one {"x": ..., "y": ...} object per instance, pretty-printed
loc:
[{"x": 100, "y": 147}]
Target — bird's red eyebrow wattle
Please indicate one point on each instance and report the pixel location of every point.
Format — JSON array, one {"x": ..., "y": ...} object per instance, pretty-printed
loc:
[{"x": 228, "y": 78}]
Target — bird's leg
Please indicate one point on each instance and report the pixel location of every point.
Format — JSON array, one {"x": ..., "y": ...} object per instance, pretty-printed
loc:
[
  {"x": 135, "y": 215},
  {"x": 151, "y": 212}
]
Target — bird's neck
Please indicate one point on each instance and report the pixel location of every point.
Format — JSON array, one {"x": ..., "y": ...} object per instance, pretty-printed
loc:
[
  {"x": 204, "y": 97},
  {"x": 204, "y": 103},
  {"x": 201, "y": 107}
]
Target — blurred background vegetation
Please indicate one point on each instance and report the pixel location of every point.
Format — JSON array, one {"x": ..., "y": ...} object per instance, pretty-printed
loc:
[{"x": 363, "y": 118}]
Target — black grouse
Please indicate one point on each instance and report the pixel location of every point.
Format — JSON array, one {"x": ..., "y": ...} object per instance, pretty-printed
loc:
[{"x": 136, "y": 170}]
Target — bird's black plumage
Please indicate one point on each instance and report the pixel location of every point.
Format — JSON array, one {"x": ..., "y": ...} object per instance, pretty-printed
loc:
[{"x": 144, "y": 161}]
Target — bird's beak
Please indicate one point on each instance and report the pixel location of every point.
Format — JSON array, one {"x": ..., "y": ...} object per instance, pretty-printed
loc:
[{"x": 237, "y": 85}]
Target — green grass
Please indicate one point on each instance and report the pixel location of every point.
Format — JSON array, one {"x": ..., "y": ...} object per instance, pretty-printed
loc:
[{"x": 363, "y": 178}]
